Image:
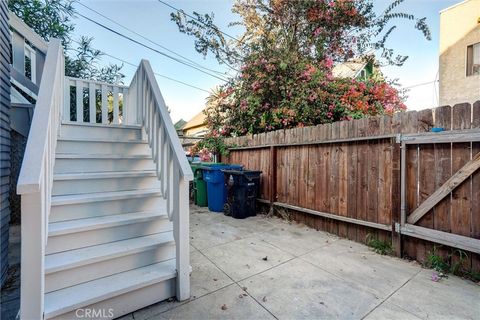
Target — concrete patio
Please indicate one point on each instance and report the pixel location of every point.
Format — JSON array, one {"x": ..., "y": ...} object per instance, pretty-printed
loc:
[{"x": 266, "y": 268}]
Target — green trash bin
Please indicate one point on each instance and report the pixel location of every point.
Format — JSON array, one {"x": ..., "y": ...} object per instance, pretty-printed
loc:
[{"x": 199, "y": 185}]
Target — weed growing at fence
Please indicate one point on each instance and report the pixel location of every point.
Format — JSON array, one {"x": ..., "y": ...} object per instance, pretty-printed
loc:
[
  {"x": 436, "y": 262},
  {"x": 379, "y": 246},
  {"x": 446, "y": 265}
]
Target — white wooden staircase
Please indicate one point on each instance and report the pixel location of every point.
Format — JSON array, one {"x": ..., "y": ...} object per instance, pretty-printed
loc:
[{"x": 104, "y": 205}]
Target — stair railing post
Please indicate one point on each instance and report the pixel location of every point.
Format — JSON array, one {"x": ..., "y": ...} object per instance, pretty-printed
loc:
[
  {"x": 182, "y": 239},
  {"x": 32, "y": 286}
]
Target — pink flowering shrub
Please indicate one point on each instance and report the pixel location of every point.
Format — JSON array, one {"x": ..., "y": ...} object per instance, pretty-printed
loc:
[{"x": 274, "y": 93}]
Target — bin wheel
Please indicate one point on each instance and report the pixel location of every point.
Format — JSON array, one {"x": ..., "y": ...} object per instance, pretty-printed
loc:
[{"x": 226, "y": 209}]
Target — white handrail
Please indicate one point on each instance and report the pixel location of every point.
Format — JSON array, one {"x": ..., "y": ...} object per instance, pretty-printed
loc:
[
  {"x": 171, "y": 133},
  {"x": 36, "y": 179},
  {"x": 172, "y": 166}
]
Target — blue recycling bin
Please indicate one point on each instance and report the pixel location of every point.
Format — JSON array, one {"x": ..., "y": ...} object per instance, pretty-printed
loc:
[{"x": 216, "y": 188}]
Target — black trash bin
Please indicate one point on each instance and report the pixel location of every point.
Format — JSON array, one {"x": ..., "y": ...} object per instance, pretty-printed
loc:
[{"x": 243, "y": 188}]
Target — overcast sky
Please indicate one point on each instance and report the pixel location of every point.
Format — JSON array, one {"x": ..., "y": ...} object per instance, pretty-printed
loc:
[{"x": 151, "y": 19}]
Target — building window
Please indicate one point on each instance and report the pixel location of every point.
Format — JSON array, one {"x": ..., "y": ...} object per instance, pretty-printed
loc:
[
  {"x": 363, "y": 74},
  {"x": 473, "y": 60}
]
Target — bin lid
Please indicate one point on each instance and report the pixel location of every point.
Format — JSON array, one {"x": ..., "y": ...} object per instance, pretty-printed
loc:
[
  {"x": 243, "y": 172},
  {"x": 222, "y": 166}
]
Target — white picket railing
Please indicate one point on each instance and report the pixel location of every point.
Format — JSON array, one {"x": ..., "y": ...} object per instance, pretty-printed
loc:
[
  {"x": 36, "y": 179},
  {"x": 172, "y": 166},
  {"x": 107, "y": 100},
  {"x": 28, "y": 56}
]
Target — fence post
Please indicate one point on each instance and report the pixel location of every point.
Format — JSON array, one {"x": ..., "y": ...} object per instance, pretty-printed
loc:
[
  {"x": 396, "y": 201},
  {"x": 273, "y": 176}
]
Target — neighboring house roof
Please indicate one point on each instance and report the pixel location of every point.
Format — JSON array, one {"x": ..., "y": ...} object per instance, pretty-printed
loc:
[
  {"x": 348, "y": 69},
  {"x": 197, "y": 121},
  {"x": 180, "y": 124}
]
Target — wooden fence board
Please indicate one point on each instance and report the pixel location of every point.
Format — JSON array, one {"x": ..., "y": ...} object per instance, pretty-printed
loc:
[
  {"x": 410, "y": 126},
  {"x": 362, "y": 174},
  {"x": 373, "y": 174},
  {"x": 384, "y": 190},
  {"x": 343, "y": 179},
  {"x": 352, "y": 180},
  {"x": 334, "y": 176},
  {"x": 303, "y": 175},
  {"x": 311, "y": 176},
  {"x": 320, "y": 186},
  {"x": 281, "y": 177},
  {"x": 308, "y": 136},
  {"x": 426, "y": 185},
  {"x": 443, "y": 171},
  {"x": 461, "y": 154}
]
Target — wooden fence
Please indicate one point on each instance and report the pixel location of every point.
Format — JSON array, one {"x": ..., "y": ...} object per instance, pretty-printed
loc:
[{"x": 346, "y": 178}]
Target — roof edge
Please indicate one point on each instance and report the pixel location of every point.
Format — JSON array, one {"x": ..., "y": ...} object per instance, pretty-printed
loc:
[{"x": 453, "y": 6}]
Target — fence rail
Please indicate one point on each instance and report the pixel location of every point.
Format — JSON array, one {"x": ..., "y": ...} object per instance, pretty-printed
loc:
[{"x": 345, "y": 178}]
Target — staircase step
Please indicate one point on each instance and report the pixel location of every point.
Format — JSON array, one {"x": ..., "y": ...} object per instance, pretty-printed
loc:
[
  {"x": 78, "y": 183},
  {"x": 83, "y": 163},
  {"x": 101, "y": 156},
  {"x": 103, "y": 175},
  {"x": 78, "y": 130},
  {"x": 119, "y": 203},
  {"x": 79, "y": 257},
  {"x": 102, "y": 146},
  {"x": 81, "y": 225},
  {"x": 100, "y": 125},
  {"x": 80, "y": 233},
  {"x": 106, "y": 140},
  {"x": 66, "y": 300},
  {"x": 103, "y": 196}
]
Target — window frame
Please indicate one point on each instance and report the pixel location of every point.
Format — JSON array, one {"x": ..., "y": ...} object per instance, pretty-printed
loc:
[{"x": 469, "y": 66}]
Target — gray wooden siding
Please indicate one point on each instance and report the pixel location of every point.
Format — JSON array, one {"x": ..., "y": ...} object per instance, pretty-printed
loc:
[{"x": 5, "y": 139}]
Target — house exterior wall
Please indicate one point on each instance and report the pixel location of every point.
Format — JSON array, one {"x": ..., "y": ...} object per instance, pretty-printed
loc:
[
  {"x": 459, "y": 28},
  {"x": 198, "y": 131},
  {"x": 4, "y": 138}
]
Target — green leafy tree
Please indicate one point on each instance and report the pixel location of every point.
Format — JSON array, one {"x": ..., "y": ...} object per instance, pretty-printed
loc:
[
  {"x": 339, "y": 29},
  {"x": 286, "y": 56},
  {"x": 53, "y": 19}
]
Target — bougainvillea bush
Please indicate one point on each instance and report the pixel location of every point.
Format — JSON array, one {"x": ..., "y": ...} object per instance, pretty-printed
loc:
[
  {"x": 283, "y": 63},
  {"x": 271, "y": 94}
]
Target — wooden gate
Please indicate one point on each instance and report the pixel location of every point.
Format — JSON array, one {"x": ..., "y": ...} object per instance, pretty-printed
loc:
[{"x": 440, "y": 197}]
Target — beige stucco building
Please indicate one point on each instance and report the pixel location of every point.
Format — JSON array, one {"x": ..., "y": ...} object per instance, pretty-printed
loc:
[
  {"x": 459, "y": 65},
  {"x": 196, "y": 127}
]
